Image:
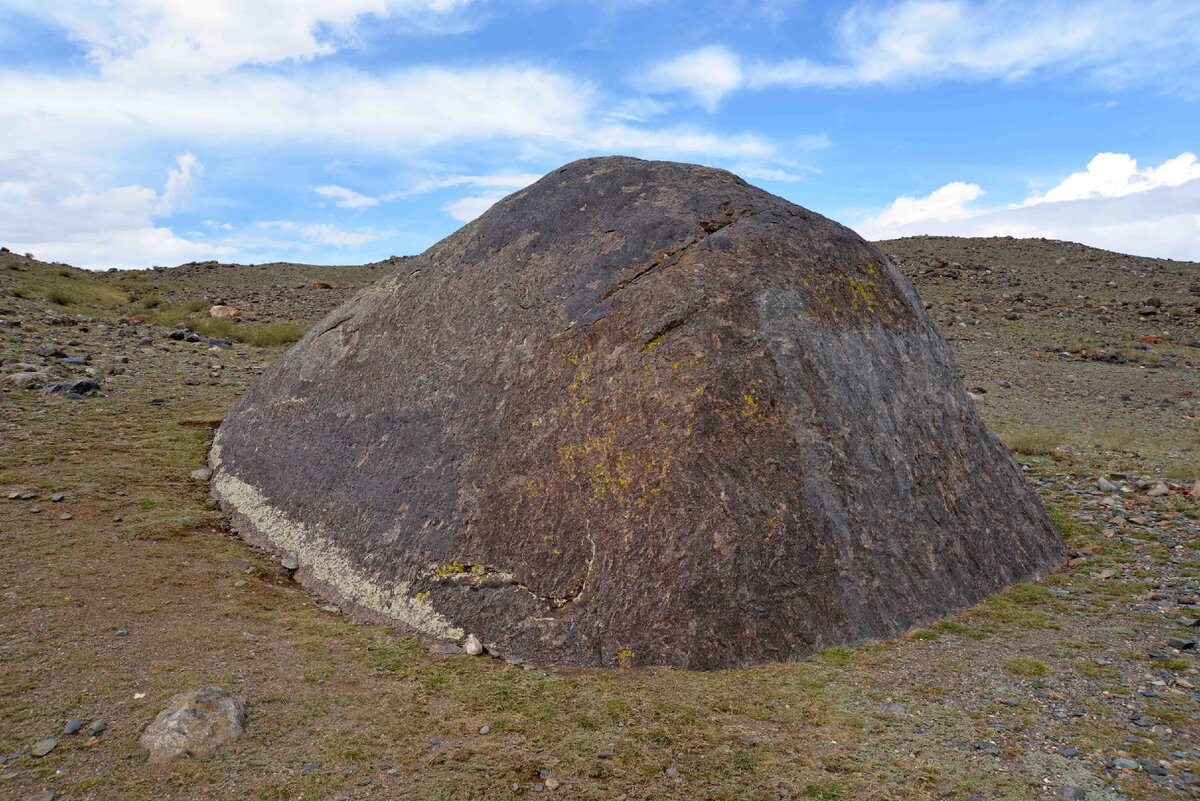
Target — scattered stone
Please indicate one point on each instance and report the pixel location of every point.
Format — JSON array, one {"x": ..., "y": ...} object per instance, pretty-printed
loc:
[
  {"x": 122, "y": 632},
  {"x": 224, "y": 312},
  {"x": 1121, "y": 763},
  {"x": 203, "y": 474},
  {"x": 57, "y": 497},
  {"x": 73, "y": 726},
  {"x": 83, "y": 386},
  {"x": 1070, "y": 793},
  {"x": 472, "y": 645},
  {"x": 97, "y": 727},
  {"x": 195, "y": 724},
  {"x": 41, "y": 795},
  {"x": 1107, "y": 486},
  {"x": 485, "y": 729},
  {"x": 1181, "y": 643},
  {"x": 43, "y": 747},
  {"x": 1069, "y": 751}
]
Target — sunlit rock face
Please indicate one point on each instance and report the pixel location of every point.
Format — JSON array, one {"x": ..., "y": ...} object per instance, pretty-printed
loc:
[{"x": 637, "y": 412}]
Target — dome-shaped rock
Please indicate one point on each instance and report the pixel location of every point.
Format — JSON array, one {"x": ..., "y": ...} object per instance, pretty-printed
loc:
[{"x": 638, "y": 411}]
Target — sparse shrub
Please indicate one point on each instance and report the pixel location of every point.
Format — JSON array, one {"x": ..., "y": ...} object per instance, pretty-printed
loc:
[
  {"x": 151, "y": 300},
  {"x": 193, "y": 305},
  {"x": 261, "y": 335},
  {"x": 1035, "y": 442},
  {"x": 1117, "y": 438},
  {"x": 59, "y": 297},
  {"x": 65, "y": 273}
]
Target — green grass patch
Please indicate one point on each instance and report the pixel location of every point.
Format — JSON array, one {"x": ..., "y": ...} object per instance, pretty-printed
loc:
[
  {"x": 1035, "y": 441},
  {"x": 1027, "y": 666}
]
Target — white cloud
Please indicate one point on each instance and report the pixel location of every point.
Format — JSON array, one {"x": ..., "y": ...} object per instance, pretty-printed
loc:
[
  {"x": 708, "y": 74},
  {"x": 1112, "y": 204},
  {"x": 1115, "y": 43},
  {"x": 136, "y": 39},
  {"x": 346, "y": 198},
  {"x": 59, "y": 215},
  {"x": 951, "y": 202},
  {"x": 325, "y": 234},
  {"x": 1117, "y": 174},
  {"x": 512, "y": 181},
  {"x": 468, "y": 208},
  {"x": 180, "y": 184}
]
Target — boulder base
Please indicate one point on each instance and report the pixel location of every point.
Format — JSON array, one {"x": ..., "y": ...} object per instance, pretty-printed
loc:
[{"x": 639, "y": 412}]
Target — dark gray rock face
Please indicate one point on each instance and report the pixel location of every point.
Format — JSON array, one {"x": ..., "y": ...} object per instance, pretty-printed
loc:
[{"x": 639, "y": 411}]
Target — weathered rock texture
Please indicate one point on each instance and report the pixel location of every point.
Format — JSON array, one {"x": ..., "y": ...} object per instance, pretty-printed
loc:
[
  {"x": 195, "y": 724},
  {"x": 636, "y": 408}
]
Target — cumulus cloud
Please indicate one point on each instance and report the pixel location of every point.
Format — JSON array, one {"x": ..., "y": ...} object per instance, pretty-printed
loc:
[
  {"x": 1114, "y": 43},
  {"x": 1117, "y": 174},
  {"x": 61, "y": 216},
  {"x": 1154, "y": 211},
  {"x": 346, "y": 198}
]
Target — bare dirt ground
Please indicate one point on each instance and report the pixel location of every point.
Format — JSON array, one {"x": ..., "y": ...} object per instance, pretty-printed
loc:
[{"x": 128, "y": 589}]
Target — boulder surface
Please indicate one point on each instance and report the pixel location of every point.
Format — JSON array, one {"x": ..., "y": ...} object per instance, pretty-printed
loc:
[
  {"x": 638, "y": 412},
  {"x": 195, "y": 724}
]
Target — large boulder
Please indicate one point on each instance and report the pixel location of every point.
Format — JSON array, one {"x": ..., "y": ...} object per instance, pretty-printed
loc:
[{"x": 638, "y": 411}]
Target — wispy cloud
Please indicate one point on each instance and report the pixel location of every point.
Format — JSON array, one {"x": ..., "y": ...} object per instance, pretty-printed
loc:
[
  {"x": 345, "y": 198},
  {"x": 1114, "y": 44}
]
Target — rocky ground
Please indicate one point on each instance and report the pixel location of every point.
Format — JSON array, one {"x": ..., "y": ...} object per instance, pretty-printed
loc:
[{"x": 119, "y": 586}]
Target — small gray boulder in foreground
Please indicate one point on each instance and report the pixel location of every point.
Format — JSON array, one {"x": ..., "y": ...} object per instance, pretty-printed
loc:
[{"x": 195, "y": 724}]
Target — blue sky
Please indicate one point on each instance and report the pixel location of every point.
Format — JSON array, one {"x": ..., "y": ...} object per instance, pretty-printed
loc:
[{"x": 142, "y": 132}]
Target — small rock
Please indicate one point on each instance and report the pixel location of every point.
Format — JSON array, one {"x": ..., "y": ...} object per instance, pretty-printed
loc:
[
  {"x": 57, "y": 497},
  {"x": 472, "y": 645},
  {"x": 122, "y": 632},
  {"x": 1121, "y": 763},
  {"x": 43, "y": 747},
  {"x": 605, "y": 755},
  {"x": 98, "y": 726},
  {"x": 311, "y": 767},
  {"x": 41, "y": 795},
  {"x": 893, "y": 710},
  {"x": 66, "y": 516},
  {"x": 1069, "y": 793},
  {"x": 1107, "y": 486},
  {"x": 1181, "y": 643},
  {"x": 485, "y": 729},
  {"x": 195, "y": 724},
  {"x": 203, "y": 474},
  {"x": 73, "y": 726},
  {"x": 289, "y": 562},
  {"x": 1010, "y": 701}
]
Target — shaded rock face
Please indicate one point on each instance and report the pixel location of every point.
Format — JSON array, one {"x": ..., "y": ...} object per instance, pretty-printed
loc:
[{"x": 639, "y": 411}]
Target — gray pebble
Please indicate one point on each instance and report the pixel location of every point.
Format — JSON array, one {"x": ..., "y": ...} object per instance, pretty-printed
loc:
[
  {"x": 73, "y": 726},
  {"x": 43, "y": 747},
  {"x": 97, "y": 726},
  {"x": 1069, "y": 793},
  {"x": 485, "y": 729}
]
